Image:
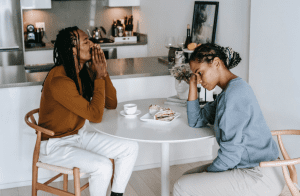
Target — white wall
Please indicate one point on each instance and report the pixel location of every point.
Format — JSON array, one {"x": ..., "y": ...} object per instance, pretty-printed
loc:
[
  {"x": 274, "y": 65},
  {"x": 159, "y": 19}
]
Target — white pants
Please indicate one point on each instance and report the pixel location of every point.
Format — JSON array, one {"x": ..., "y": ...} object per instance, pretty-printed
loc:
[
  {"x": 90, "y": 152},
  {"x": 236, "y": 182}
]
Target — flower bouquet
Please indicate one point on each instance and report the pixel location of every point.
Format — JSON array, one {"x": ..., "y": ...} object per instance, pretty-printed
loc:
[{"x": 181, "y": 72}]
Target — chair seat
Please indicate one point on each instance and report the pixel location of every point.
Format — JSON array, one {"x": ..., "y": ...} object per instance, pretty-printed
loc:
[{"x": 55, "y": 168}]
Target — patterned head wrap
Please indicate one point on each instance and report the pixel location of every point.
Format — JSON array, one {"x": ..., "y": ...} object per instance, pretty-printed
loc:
[{"x": 232, "y": 58}]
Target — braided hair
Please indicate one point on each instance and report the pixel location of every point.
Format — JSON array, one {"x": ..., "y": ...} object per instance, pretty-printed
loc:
[
  {"x": 207, "y": 52},
  {"x": 63, "y": 55}
]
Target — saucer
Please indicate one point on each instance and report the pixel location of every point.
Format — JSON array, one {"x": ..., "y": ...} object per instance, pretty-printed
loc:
[{"x": 130, "y": 115}]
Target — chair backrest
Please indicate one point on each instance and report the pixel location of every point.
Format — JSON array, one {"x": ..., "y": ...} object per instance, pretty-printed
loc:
[
  {"x": 291, "y": 176},
  {"x": 39, "y": 130}
]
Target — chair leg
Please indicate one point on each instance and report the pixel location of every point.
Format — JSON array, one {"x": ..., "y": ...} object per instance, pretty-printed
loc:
[
  {"x": 34, "y": 180},
  {"x": 76, "y": 174},
  {"x": 65, "y": 182}
]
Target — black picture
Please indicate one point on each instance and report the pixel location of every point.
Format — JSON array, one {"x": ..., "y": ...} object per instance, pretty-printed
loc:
[{"x": 205, "y": 21}]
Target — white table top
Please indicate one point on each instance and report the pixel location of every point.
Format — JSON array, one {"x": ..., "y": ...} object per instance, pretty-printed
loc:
[{"x": 116, "y": 125}]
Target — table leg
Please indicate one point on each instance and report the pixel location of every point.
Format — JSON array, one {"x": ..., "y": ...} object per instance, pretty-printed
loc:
[{"x": 165, "y": 169}]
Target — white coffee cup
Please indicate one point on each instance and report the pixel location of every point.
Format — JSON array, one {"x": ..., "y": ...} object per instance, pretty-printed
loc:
[{"x": 130, "y": 108}]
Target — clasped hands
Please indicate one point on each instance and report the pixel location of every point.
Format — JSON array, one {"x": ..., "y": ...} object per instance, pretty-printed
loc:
[{"x": 98, "y": 65}]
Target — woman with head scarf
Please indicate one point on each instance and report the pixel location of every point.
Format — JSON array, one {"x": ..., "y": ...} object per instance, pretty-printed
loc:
[{"x": 240, "y": 129}]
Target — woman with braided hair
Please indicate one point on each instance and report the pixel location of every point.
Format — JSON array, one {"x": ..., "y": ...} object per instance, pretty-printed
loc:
[
  {"x": 240, "y": 129},
  {"x": 77, "y": 88}
]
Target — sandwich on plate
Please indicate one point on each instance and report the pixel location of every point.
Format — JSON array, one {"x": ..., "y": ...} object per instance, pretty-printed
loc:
[{"x": 165, "y": 114}]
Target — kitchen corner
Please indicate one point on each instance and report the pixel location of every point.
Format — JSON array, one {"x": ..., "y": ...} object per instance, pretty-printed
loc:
[{"x": 96, "y": 18}]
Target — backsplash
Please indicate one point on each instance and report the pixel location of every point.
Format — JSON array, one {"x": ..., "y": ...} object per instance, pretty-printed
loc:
[{"x": 84, "y": 14}]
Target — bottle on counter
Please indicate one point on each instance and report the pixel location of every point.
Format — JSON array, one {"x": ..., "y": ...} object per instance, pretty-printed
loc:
[
  {"x": 188, "y": 40},
  {"x": 130, "y": 25},
  {"x": 38, "y": 35},
  {"x": 126, "y": 26},
  {"x": 120, "y": 28},
  {"x": 114, "y": 30},
  {"x": 188, "y": 37}
]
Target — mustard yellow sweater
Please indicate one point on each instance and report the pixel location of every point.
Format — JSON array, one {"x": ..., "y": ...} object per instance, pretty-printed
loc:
[{"x": 64, "y": 111}]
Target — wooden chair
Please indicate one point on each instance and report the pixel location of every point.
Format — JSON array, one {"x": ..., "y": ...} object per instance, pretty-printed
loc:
[
  {"x": 61, "y": 170},
  {"x": 291, "y": 177}
]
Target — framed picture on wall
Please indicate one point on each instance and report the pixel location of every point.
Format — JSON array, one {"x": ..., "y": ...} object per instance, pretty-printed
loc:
[{"x": 205, "y": 21}]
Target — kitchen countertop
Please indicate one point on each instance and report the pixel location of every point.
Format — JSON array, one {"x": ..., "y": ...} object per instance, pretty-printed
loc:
[
  {"x": 141, "y": 40},
  {"x": 17, "y": 76}
]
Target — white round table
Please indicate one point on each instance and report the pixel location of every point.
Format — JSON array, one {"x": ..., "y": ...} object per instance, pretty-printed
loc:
[{"x": 117, "y": 125}]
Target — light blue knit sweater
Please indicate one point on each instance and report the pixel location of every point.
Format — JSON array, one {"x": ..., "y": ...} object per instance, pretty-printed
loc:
[{"x": 241, "y": 131}]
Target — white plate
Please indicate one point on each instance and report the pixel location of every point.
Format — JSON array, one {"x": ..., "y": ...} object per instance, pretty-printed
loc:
[
  {"x": 149, "y": 118},
  {"x": 187, "y": 50},
  {"x": 130, "y": 115}
]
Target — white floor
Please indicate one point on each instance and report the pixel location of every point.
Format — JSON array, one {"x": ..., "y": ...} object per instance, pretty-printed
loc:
[{"x": 142, "y": 183}]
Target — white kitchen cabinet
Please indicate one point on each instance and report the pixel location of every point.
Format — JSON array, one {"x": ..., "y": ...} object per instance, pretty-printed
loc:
[
  {"x": 122, "y": 3},
  {"x": 38, "y": 57},
  {"x": 131, "y": 51},
  {"x": 36, "y": 4}
]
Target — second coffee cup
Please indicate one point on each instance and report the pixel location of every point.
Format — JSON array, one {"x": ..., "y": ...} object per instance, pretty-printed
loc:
[{"x": 130, "y": 108}]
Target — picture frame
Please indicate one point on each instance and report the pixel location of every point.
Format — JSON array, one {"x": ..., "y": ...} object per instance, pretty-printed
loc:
[{"x": 204, "y": 24}]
